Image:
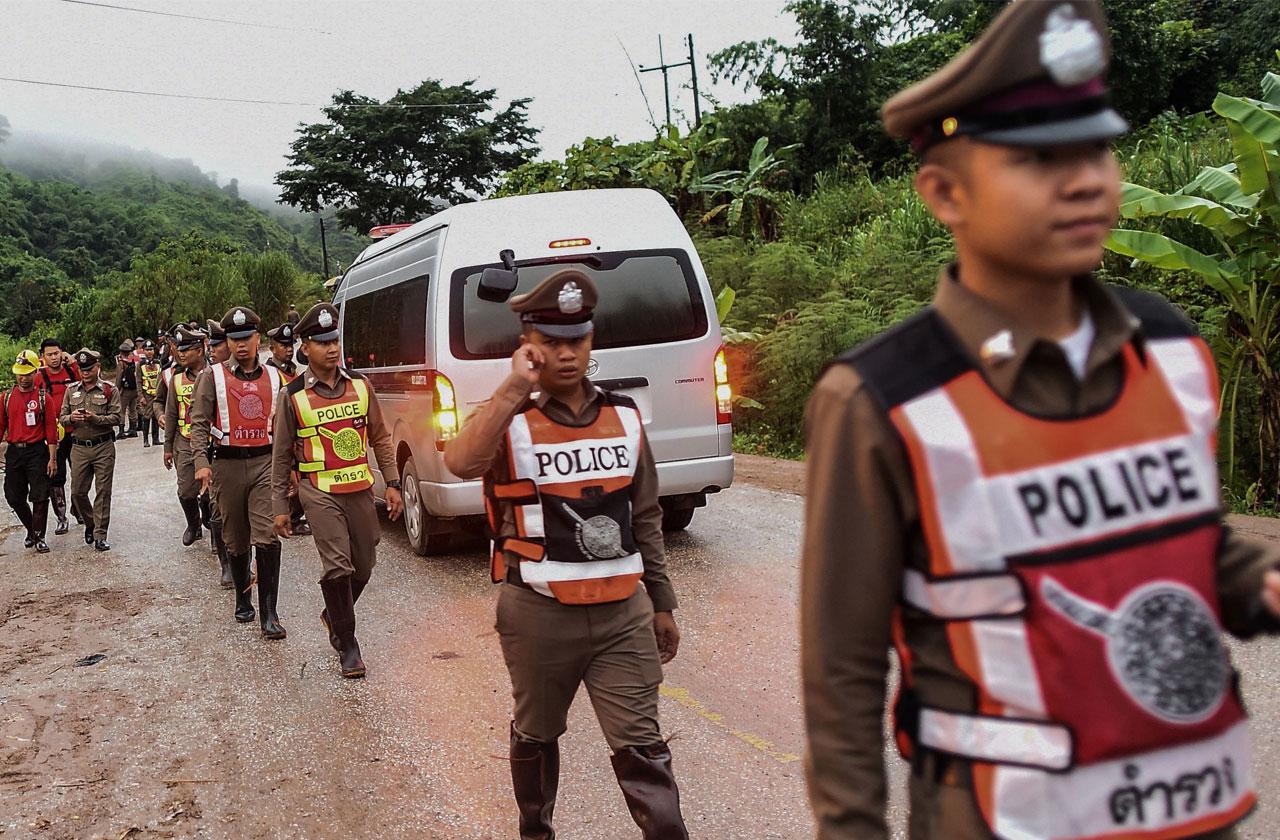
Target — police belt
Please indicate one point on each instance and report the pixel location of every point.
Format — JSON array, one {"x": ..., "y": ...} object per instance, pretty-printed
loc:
[
  {"x": 240, "y": 452},
  {"x": 28, "y": 445},
  {"x": 93, "y": 441}
]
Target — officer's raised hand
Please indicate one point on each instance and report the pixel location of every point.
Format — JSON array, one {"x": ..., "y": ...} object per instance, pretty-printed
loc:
[
  {"x": 204, "y": 475},
  {"x": 283, "y": 528},
  {"x": 667, "y": 634},
  {"x": 527, "y": 363}
]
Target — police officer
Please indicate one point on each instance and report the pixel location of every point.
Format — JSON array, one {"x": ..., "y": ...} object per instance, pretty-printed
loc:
[
  {"x": 324, "y": 427},
  {"x": 127, "y": 382},
  {"x": 233, "y": 408},
  {"x": 31, "y": 428},
  {"x": 219, "y": 350},
  {"x": 90, "y": 410},
  {"x": 572, "y": 494},
  {"x": 177, "y": 444},
  {"x": 1017, "y": 488},
  {"x": 283, "y": 338},
  {"x": 57, "y": 371},
  {"x": 148, "y": 389}
]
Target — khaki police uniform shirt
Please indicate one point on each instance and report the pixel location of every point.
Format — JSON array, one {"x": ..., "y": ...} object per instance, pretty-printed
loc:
[
  {"x": 106, "y": 411},
  {"x": 481, "y": 447},
  {"x": 204, "y": 406},
  {"x": 862, "y": 527},
  {"x": 283, "y": 457}
]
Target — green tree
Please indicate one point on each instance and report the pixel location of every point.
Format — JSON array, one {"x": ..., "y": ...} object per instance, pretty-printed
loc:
[
  {"x": 749, "y": 200},
  {"x": 405, "y": 158}
]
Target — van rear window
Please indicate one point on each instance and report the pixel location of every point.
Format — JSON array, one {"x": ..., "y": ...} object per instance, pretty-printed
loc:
[{"x": 646, "y": 297}]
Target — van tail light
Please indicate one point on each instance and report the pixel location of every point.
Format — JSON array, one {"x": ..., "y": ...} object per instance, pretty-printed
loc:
[
  {"x": 724, "y": 392},
  {"x": 445, "y": 411}
]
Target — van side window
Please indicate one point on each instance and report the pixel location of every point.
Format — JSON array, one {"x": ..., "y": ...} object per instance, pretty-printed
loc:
[{"x": 387, "y": 327}]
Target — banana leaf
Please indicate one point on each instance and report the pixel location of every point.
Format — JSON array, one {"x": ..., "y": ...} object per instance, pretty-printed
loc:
[
  {"x": 1255, "y": 134},
  {"x": 1221, "y": 184},
  {"x": 724, "y": 302},
  {"x": 1271, "y": 88},
  {"x": 1162, "y": 252},
  {"x": 1138, "y": 202}
]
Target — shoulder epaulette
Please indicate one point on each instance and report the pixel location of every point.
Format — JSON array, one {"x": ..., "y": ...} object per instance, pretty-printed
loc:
[
  {"x": 1160, "y": 319},
  {"x": 909, "y": 359}
]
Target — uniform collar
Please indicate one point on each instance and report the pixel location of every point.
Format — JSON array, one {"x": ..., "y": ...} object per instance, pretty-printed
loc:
[
  {"x": 592, "y": 393},
  {"x": 1001, "y": 344},
  {"x": 310, "y": 379}
]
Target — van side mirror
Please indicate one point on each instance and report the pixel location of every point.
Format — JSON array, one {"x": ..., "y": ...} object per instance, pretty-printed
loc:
[{"x": 496, "y": 284}]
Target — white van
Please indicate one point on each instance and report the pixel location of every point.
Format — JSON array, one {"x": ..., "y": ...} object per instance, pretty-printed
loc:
[{"x": 413, "y": 323}]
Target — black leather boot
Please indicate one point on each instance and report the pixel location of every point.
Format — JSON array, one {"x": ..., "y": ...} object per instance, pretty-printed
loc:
[
  {"x": 58, "y": 498},
  {"x": 535, "y": 778},
  {"x": 40, "y": 521},
  {"x": 146, "y": 432},
  {"x": 191, "y": 509},
  {"x": 342, "y": 622},
  {"x": 357, "y": 586},
  {"x": 223, "y": 559},
  {"x": 649, "y": 786},
  {"x": 268, "y": 589},
  {"x": 242, "y": 583}
]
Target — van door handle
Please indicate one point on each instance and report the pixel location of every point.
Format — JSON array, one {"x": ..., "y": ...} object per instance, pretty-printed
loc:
[{"x": 621, "y": 384}]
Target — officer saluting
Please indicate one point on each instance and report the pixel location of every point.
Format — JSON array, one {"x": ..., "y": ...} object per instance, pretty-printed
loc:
[
  {"x": 232, "y": 409},
  {"x": 574, "y": 537},
  {"x": 1017, "y": 488},
  {"x": 324, "y": 429},
  {"x": 90, "y": 410}
]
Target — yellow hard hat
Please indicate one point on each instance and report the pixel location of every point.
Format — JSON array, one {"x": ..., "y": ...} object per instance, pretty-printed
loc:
[{"x": 27, "y": 362}]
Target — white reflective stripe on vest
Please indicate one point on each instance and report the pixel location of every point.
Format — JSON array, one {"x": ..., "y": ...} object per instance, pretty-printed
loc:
[
  {"x": 167, "y": 376},
  {"x": 223, "y": 399},
  {"x": 1044, "y": 745},
  {"x": 1108, "y": 798},
  {"x": 521, "y": 441},
  {"x": 539, "y": 575},
  {"x": 963, "y": 598},
  {"x": 1183, "y": 367}
]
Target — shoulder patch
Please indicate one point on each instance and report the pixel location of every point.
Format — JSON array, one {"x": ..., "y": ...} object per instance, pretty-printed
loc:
[
  {"x": 295, "y": 386},
  {"x": 611, "y": 398},
  {"x": 1160, "y": 319},
  {"x": 914, "y": 357}
]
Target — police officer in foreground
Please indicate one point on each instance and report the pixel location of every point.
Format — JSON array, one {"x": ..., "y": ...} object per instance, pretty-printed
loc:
[
  {"x": 324, "y": 428},
  {"x": 232, "y": 412},
  {"x": 31, "y": 428},
  {"x": 90, "y": 410},
  {"x": 178, "y": 452},
  {"x": 58, "y": 371},
  {"x": 572, "y": 494},
  {"x": 283, "y": 339},
  {"x": 1017, "y": 488}
]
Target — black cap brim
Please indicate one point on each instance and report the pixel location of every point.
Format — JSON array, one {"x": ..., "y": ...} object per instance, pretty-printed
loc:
[
  {"x": 328, "y": 335},
  {"x": 189, "y": 345},
  {"x": 563, "y": 330},
  {"x": 241, "y": 334},
  {"x": 217, "y": 339},
  {"x": 1106, "y": 124}
]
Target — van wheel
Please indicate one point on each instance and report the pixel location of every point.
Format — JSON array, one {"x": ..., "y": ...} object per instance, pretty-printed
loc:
[
  {"x": 416, "y": 517},
  {"x": 676, "y": 519}
]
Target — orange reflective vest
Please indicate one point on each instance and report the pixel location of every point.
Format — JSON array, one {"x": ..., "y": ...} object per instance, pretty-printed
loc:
[
  {"x": 333, "y": 436},
  {"x": 246, "y": 407},
  {"x": 571, "y": 491},
  {"x": 183, "y": 384},
  {"x": 1073, "y": 565}
]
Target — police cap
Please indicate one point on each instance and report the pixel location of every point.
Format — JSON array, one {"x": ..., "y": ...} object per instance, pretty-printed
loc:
[
  {"x": 319, "y": 324},
  {"x": 282, "y": 334},
  {"x": 559, "y": 306},
  {"x": 188, "y": 338},
  {"x": 1035, "y": 77},
  {"x": 87, "y": 358},
  {"x": 126, "y": 346},
  {"x": 240, "y": 322},
  {"x": 217, "y": 335}
]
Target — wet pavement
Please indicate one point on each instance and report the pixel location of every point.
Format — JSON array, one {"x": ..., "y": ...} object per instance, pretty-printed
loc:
[{"x": 194, "y": 726}]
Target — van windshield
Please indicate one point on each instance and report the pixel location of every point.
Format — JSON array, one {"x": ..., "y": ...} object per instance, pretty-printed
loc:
[{"x": 646, "y": 297}]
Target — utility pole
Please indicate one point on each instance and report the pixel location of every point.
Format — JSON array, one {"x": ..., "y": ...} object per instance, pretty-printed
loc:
[
  {"x": 324, "y": 248},
  {"x": 666, "y": 86}
]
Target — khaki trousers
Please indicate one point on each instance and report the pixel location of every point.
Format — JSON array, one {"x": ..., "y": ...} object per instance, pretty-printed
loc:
[
  {"x": 129, "y": 408},
  {"x": 93, "y": 466},
  {"x": 244, "y": 499},
  {"x": 346, "y": 530},
  {"x": 552, "y": 648},
  {"x": 184, "y": 466}
]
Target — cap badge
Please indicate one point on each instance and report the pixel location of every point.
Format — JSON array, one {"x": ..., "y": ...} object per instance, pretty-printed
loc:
[
  {"x": 1070, "y": 48},
  {"x": 325, "y": 319},
  {"x": 238, "y": 319},
  {"x": 570, "y": 299}
]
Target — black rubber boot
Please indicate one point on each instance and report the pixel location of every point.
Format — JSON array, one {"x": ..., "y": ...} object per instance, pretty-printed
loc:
[
  {"x": 268, "y": 589},
  {"x": 146, "y": 432},
  {"x": 224, "y": 560},
  {"x": 191, "y": 509},
  {"x": 357, "y": 586},
  {"x": 58, "y": 498},
  {"x": 242, "y": 583},
  {"x": 649, "y": 786},
  {"x": 342, "y": 621},
  {"x": 535, "y": 778}
]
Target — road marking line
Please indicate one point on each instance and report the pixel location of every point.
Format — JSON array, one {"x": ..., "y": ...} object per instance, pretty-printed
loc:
[{"x": 684, "y": 698}]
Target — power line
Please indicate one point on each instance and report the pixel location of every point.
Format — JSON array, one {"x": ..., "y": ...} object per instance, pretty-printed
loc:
[
  {"x": 190, "y": 17},
  {"x": 242, "y": 101}
]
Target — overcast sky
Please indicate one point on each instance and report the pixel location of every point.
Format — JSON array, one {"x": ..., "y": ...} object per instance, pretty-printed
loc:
[{"x": 567, "y": 56}]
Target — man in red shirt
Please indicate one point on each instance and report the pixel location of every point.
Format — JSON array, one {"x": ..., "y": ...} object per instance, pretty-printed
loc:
[
  {"x": 58, "y": 371},
  {"x": 32, "y": 431}
]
